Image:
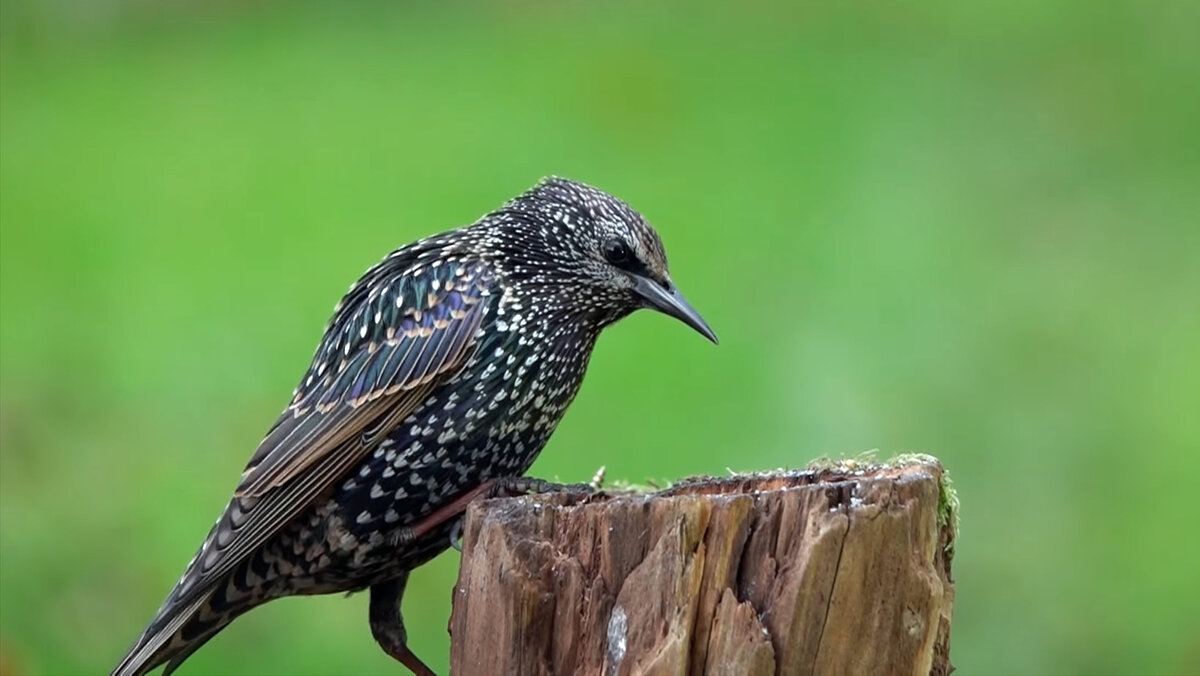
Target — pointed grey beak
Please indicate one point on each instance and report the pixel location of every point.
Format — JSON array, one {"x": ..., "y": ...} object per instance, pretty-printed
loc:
[{"x": 671, "y": 302}]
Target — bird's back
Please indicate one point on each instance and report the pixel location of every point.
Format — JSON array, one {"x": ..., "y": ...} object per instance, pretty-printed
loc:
[{"x": 489, "y": 417}]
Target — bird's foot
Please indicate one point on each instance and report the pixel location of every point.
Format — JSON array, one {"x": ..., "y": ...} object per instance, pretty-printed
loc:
[
  {"x": 402, "y": 654},
  {"x": 387, "y": 625},
  {"x": 456, "y": 534},
  {"x": 491, "y": 488},
  {"x": 511, "y": 487}
]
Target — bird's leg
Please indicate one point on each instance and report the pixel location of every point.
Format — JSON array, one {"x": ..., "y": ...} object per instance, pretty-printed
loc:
[
  {"x": 490, "y": 488},
  {"x": 387, "y": 626}
]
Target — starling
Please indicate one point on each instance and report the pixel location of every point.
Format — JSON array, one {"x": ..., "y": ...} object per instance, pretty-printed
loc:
[{"x": 443, "y": 371}]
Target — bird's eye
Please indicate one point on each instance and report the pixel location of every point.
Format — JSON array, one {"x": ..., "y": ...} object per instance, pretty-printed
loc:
[{"x": 617, "y": 252}]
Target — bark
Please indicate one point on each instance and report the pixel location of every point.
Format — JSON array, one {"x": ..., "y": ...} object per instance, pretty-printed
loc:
[{"x": 843, "y": 569}]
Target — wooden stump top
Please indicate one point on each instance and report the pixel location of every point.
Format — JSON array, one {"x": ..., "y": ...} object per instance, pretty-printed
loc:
[{"x": 841, "y": 568}]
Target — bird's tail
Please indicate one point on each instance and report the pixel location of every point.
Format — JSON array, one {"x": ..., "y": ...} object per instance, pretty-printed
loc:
[{"x": 177, "y": 631}]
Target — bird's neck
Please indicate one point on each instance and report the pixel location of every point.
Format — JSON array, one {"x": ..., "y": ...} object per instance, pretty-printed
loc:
[{"x": 562, "y": 310}]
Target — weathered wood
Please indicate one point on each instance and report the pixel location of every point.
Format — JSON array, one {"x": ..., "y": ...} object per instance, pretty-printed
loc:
[{"x": 843, "y": 569}]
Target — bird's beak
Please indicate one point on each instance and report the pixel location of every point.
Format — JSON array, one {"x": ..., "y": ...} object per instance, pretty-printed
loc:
[{"x": 669, "y": 301}]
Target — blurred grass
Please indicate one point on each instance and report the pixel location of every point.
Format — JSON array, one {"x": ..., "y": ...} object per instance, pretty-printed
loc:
[{"x": 959, "y": 228}]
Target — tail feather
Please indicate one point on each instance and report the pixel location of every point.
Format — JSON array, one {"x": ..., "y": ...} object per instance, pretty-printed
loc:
[
  {"x": 190, "y": 615},
  {"x": 161, "y": 640},
  {"x": 177, "y": 631},
  {"x": 190, "y": 647}
]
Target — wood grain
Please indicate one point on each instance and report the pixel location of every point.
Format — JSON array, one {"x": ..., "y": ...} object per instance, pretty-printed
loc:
[{"x": 839, "y": 570}]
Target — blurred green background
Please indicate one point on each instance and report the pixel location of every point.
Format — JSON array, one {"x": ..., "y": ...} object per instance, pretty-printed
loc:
[{"x": 969, "y": 229}]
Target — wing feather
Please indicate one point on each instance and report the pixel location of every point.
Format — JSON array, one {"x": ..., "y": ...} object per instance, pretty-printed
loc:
[
  {"x": 390, "y": 351},
  {"x": 342, "y": 406}
]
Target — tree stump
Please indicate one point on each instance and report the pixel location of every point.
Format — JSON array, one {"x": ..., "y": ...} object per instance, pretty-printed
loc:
[{"x": 837, "y": 569}]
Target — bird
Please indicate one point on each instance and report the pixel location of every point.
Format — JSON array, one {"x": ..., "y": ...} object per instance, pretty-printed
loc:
[{"x": 440, "y": 376}]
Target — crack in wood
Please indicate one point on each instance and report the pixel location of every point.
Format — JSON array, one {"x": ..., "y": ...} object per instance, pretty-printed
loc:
[
  {"x": 836, "y": 570},
  {"x": 829, "y": 598}
]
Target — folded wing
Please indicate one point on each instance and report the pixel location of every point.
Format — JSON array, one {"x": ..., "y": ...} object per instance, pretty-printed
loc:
[{"x": 397, "y": 334}]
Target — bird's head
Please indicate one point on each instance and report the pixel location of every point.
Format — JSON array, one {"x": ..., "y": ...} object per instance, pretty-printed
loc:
[{"x": 597, "y": 250}]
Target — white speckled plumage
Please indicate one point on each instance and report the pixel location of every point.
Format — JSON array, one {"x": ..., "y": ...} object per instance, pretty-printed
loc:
[{"x": 448, "y": 363}]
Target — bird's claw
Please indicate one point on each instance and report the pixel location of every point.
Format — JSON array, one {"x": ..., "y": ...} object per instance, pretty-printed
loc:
[{"x": 456, "y": 534}]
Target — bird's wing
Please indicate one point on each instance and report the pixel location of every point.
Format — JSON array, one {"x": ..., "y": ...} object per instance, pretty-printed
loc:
[
  {"x": 384, "y": 351},
  {"x": 412, "y": 330},
  {"x": 394, "y": 337}
]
